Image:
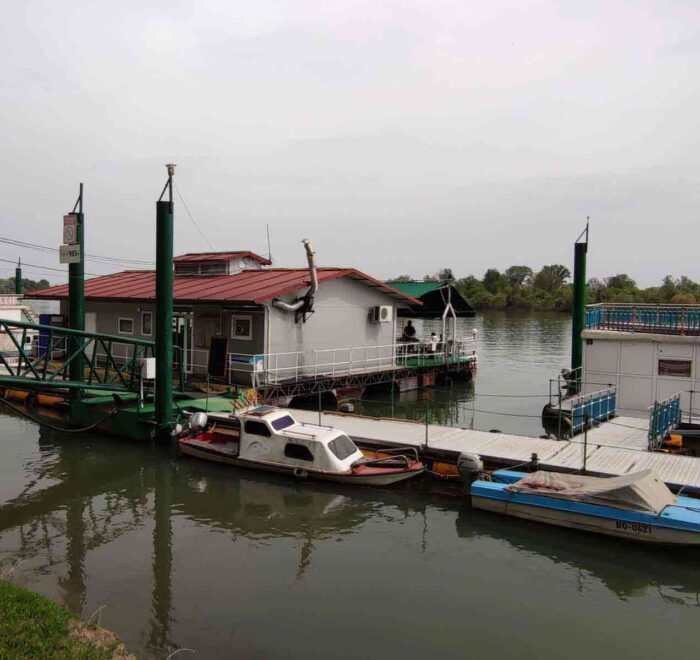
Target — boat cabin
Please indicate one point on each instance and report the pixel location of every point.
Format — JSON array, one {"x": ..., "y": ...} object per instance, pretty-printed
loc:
[{"x": 272, "y": 436}]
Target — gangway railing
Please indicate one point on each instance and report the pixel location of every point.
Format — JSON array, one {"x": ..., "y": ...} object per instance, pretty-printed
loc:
[
  {"x": 110, "y": 362},
  {"x": 632, "y": 317},
  {"x": 664, "y": 416},
  {"x": 592, "y": 408},
  {"x": 274, "y": 368}
]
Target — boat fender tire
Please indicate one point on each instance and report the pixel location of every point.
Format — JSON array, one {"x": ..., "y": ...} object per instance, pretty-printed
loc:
[{"x": 301, "y": 473}]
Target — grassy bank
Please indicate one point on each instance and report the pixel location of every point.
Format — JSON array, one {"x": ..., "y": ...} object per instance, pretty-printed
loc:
[{"x": 32, "y": 626}]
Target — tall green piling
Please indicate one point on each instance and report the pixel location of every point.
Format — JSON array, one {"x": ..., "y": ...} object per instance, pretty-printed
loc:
[
  {"x": 165, "y": 417},
  {"x": 578, "y": 306},
  {"x": 76, "y": 288},
  {"x": 19, "y": 285}
]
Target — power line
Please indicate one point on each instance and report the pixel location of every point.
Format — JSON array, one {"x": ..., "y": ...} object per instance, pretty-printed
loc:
[
  {"x": 60, "y": 270},
  {"x": 92, "y": 257},
  {"x": 196, "y": 226}
]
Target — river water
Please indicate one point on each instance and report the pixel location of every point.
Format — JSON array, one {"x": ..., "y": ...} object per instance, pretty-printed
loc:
[
  {"x": 172, "y": 553},
  {"x": 518, "y": 355}
]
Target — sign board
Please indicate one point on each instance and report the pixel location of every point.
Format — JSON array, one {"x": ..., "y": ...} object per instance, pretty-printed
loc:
[
  {"x": 70, "y": 229},
  {"x": 69, "y": 254}
]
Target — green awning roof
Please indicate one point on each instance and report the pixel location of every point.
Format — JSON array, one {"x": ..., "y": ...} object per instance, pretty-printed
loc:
[{"x": 416, "y": 289}]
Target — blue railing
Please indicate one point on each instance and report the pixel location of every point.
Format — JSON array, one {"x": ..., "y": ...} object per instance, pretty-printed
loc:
[
  {"x": 663, "y": 319},
  {"x": 594, "y": 407},
  {"x": 664, "y": 417}
]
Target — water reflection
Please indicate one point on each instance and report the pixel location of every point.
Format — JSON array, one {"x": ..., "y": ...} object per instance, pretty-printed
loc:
[
  {"x": 191, "y": 554},
  {"x": 626, "y": 569}
]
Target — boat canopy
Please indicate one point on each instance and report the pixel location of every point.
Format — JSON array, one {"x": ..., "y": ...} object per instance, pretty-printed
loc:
[{"x": 639, "y": 491}]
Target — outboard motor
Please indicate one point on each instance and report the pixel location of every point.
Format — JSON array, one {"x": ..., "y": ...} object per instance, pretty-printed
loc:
[
  {"x": 195, "y": 423},
  {"x": 198, "y": 421},
  {"x": 470, "y": 467}
]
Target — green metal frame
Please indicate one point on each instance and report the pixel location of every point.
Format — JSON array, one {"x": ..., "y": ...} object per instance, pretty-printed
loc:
[{"x": 105, "y": 370}]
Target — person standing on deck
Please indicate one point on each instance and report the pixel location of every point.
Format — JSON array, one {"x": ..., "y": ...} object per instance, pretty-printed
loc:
[
  {"x": 409, "y": 332},
  {"x": 433, "y": 343}
]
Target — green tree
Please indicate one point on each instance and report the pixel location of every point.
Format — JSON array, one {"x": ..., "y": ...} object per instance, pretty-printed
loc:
[
  {"x": 8, "y": 285},
  {"x": 443, "y": 275},
  {"x": 668, "y": 289},
  {"x": 518, "y": 275},
  {"x": 551, "y": 277},
  {"x": 401, "y": 278},
  {"x": 622, "y": 282},
  {"x": 493, "y": 280}
]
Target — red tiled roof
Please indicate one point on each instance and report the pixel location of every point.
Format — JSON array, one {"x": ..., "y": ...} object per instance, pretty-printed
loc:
[
  {"x": 255, "y": 286},
  {"x": 199, "y": 257}
]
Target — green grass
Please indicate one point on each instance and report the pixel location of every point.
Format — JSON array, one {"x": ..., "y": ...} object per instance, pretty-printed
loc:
[{"x": 32, "y": 626}]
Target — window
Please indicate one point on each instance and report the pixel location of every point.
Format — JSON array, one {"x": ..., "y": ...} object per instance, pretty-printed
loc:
[
  {"x": 186, "y": 269},
  {"x": 680, "y": 368},
  {"x": 282, "y": 423},
  {"x": 125, "y": 326},
  {"x": 212, "y": 269},
  {"x": 257, "y": 428},
  {"x": 146, "y": 323},
  {"x": 300, "y": 452},
  {"x": 242, "y": 327},
  {"x": 342, "y": 447}
]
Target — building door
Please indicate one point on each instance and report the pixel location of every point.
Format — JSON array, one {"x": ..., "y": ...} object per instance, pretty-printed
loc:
[
  {"x": 184, "y": 337},
  {"x": 91, "y": 322}
]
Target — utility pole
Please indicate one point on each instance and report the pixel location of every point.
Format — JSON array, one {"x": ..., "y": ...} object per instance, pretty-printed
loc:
[
  {"x": 19, "y": 285},
  {"x": 165, "y": 418},
  {"x": 76, "y": 281},
  {"x": 579, "y": 306}
]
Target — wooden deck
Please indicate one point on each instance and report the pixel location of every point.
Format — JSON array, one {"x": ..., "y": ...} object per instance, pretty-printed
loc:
[{"x": 614, "y": 448}]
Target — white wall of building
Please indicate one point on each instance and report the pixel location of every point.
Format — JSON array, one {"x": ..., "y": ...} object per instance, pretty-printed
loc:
[{"x": 631, "y": 361}]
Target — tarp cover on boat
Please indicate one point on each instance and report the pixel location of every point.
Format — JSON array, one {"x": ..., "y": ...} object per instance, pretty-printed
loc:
[{"x": 639, "y": 491}]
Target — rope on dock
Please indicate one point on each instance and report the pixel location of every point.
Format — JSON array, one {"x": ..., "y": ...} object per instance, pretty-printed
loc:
[{"x": 36, "y": 420}]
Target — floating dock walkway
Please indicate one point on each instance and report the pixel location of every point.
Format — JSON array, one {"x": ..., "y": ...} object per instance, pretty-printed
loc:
[{"x": 613, "y": 448}]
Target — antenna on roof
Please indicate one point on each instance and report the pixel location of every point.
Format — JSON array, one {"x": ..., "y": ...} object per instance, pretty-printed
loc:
[{"x": 269, "y": 249}]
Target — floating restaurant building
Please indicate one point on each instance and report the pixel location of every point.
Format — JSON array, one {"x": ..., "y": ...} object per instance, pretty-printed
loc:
[
  {"x": 650, "y": 353},
  {"x": 284, "y": 331}
]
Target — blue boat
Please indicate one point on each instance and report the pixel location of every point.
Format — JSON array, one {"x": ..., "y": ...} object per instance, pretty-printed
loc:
[{"x": 636, "y": 506}]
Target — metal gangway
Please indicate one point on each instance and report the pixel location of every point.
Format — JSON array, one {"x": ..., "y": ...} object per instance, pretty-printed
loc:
[{"x": 46, "y": 356}]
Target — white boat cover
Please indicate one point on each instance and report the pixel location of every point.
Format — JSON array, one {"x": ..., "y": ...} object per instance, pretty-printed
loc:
[{"x": 639, "y": 491}]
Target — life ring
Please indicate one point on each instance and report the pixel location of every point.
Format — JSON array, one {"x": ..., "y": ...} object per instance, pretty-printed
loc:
[{"x": 301, "y": 473}]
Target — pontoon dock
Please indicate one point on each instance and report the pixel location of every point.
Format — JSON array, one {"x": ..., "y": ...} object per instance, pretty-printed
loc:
[{"x": 613, "y": 448}]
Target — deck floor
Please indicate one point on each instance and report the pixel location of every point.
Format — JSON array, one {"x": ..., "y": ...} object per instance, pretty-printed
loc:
[{"x": 612, "y": 449}]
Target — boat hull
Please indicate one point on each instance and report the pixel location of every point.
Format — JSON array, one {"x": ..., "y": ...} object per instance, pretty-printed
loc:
[
  {"x": 378, "y": 478},
  {"x": 644, "y": 532}
]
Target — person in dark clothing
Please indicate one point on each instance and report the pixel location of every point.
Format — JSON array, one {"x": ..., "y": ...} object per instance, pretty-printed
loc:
[{"x": 409, "y": 333}]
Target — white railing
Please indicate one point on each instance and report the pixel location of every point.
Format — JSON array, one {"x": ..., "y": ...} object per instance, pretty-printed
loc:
[
  {"x": 270, "y": 368},
  {"x": 9, "y": 301}
]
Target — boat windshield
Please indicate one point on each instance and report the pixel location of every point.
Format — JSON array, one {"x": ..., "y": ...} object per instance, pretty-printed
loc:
[
  {"x": 283, "y": 422},
  {"x": 342, "y": 447}
]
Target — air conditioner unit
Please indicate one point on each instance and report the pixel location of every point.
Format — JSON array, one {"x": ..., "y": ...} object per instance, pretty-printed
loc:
[{"x": 382, "y": 314}]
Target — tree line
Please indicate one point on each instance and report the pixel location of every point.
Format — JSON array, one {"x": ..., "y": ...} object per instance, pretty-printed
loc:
[
  {"x": 550, "y": 288},
  {"x": 7, "y": 285}
]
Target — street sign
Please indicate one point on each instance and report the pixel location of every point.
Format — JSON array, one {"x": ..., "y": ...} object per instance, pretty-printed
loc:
[
  {"x": 69, "y": 254},
  {"x": 70, "y": 229}
]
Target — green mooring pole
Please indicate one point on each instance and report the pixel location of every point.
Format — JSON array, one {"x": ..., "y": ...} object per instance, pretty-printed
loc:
[
  {"x": 19, "y": 285},
  {"x": 579, "y": 306},
  {"x": 165, "y": 417},
  {"x": 76, "y": 290}
]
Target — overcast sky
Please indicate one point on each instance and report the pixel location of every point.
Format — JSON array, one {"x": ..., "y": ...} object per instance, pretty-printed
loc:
[{"x": 400, "y": 137}]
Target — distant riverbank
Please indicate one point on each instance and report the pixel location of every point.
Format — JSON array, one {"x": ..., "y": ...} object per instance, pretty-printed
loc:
[{"x": 549, "y": 289}]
